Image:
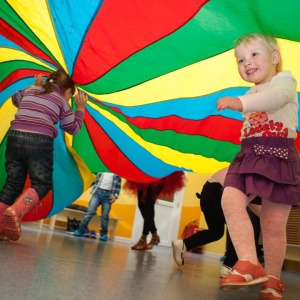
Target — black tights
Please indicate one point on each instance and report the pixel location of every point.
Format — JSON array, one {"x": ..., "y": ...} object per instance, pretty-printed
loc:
[
  {"x": 210, "y": 203},
  {"x": 146, "y": 206}
]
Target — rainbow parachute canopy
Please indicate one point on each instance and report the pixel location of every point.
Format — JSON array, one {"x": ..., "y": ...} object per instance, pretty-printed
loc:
[{"x": 153, "y": 71}]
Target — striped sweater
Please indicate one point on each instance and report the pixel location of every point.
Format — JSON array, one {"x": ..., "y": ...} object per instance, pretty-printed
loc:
[{"x": 39, "y": 113}]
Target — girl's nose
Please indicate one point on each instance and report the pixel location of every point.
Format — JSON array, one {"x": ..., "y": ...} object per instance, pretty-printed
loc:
[{"x": 247, "y": 62}]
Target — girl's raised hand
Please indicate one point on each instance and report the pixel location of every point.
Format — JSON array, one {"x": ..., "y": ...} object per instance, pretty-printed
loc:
[
  {"x": 80, "y": 100},
  {"x": 38, "y": 80}
]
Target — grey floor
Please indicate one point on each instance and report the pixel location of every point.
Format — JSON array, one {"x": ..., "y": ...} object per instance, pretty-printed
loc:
[{"x": 53, "y": 265}]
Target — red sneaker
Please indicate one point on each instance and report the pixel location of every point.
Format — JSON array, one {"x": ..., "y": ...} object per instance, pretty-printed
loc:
[{"x": 243, "y": 273}]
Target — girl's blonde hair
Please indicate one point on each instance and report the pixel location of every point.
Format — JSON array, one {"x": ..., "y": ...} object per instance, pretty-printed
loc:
[
  {"x": 268, "y": 40},
  {"x": 62, "y": 79}
]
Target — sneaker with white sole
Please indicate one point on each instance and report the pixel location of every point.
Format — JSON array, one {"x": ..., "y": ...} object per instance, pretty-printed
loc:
[
  {"x": 179, "y": 250},
  {"x": 93, "y": 234},
  {"x": 87, "y": 233},
  {"x": 225, "y": 271}
]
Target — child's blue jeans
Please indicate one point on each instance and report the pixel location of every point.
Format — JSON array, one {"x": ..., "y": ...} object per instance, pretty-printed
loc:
[{"x": 100, "y": 197}]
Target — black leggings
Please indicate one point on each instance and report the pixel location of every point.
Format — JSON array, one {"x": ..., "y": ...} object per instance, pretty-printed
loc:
[
  {"x": 210, "y": 203},
  {"x": 146, "y": 205}
]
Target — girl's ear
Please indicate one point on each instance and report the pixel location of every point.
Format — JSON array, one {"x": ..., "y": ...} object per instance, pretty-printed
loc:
[
  {"x": 68, "y": 94},
  {"x": 276, "y": 57}
]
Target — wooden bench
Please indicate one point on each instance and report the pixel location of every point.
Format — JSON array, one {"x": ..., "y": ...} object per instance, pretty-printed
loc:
[{"x": 79, "y": 215}]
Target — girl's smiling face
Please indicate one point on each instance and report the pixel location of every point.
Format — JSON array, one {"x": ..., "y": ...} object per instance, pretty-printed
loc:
[{"x": 256, "y": 62}]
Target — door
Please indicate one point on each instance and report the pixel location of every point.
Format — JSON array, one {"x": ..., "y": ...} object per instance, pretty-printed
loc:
[{"x": 167, "y": 220}]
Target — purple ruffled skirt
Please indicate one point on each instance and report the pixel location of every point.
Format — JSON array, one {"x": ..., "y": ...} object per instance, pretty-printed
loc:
[{"x": 268, "y": 167}]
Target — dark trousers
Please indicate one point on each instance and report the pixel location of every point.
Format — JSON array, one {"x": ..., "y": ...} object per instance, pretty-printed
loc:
[
  {"x": 146, "y": 206},
  {"x": 27, "y": 153},
  {"x": 210, "y": 203}
]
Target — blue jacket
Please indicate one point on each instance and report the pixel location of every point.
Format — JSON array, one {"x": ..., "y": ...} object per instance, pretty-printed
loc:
[{"x": 115, "y": 188}]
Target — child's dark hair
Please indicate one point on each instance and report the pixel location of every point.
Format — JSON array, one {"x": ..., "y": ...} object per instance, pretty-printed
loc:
[{"x": 62, "y": 79}]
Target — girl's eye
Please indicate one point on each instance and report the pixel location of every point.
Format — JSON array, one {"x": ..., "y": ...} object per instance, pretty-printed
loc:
[
  {"x": 254, "y": 54},
  {"x": 240, "y": 61}
]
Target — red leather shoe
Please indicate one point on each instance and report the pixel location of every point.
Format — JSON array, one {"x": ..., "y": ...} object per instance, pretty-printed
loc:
[
  {"x": 154, "y": 242},
  {"x": 140, "y": 245},
  {"x": 272, "y": 289},
  {"x": 243, "y": 273}
]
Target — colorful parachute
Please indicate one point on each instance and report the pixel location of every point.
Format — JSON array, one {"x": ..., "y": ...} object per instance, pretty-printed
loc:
[{"x": 153, "y": 71}]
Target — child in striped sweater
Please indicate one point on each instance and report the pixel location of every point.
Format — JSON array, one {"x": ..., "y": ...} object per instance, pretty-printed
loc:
[{"x": 29, "y": 148}]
